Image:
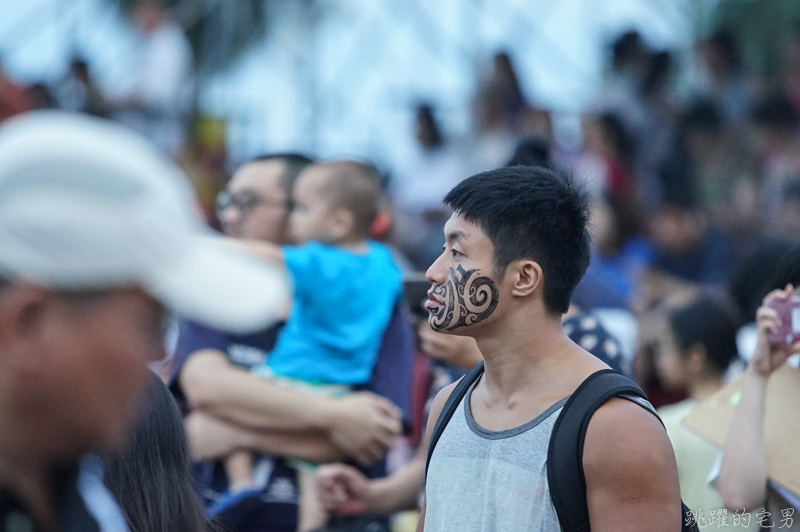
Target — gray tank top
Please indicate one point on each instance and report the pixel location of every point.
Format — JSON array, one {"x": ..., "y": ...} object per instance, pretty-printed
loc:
[{"x": 486, "y": 481}]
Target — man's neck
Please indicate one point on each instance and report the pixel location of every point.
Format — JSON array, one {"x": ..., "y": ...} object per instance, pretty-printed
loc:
[{"x": 526, "y": 356}]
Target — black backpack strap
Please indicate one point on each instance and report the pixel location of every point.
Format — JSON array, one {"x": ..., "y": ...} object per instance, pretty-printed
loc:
[
  {"x": 450, "y": 406},
  {"x": 565, "y": 475},
  {"x": 565, "y": 452}
]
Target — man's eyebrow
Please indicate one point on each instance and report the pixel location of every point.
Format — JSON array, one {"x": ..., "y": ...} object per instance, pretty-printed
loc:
[{"x": 455, "y": 235}]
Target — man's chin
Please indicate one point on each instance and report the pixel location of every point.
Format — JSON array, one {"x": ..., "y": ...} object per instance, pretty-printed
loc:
[
  {"x": 454, "y": 332},
  {"x": 431, "y": 321}
]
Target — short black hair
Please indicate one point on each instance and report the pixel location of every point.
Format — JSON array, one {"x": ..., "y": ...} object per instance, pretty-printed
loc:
[
  {"x": 708, "y": 323},
  {"x": 531, "y": 212},
  {"x": 295, "y": 163}
]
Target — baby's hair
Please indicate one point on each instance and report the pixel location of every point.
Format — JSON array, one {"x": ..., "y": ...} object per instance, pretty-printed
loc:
[{"x": 355, "y": 187}]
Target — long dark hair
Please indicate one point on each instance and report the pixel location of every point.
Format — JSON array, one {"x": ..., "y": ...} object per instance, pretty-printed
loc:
[{"x": 151, "y": 479}]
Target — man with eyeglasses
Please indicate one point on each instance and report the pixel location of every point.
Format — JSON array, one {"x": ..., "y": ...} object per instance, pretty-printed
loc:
[
  {"x": 231, "y": 409},
  {"x": 256, "y": 203}
]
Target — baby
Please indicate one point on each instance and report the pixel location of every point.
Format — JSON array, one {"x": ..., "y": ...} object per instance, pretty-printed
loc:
[{"x": 345, "y": 288}]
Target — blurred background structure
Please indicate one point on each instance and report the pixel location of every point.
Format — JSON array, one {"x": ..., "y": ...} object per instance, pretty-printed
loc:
[{"x": 337, "y": 77}]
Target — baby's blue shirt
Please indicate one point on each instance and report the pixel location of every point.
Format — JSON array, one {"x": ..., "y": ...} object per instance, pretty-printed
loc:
[{"x": 343, "y": 301}]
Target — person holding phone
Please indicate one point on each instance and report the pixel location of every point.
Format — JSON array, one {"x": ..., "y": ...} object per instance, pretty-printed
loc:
[{"x": 742, "y": 480}]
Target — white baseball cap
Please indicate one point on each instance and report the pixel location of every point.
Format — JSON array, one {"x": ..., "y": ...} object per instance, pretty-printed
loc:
[{"x": 86, "y": 204}]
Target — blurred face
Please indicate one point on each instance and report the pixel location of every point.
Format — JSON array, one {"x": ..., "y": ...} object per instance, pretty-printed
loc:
[
  {"x": 78, "y": 367},
  {"x": 254, "y": 205},
  {"x": 312, "y": 216},
  {"x": 464, "y": 292}
]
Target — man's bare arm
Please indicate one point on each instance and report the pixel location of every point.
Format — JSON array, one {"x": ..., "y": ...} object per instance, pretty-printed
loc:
[
  {"x": 630, "y": 469},
  {"x": 362, "y": 425}
]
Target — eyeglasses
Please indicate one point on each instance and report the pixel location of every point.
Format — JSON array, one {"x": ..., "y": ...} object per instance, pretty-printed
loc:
[{"x": 246, "y": 202}]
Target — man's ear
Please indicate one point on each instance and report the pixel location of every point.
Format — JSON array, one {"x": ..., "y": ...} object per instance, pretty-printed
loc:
[
  {"x": 22, "y": 315},
  {"x": 526, "y": 277}
]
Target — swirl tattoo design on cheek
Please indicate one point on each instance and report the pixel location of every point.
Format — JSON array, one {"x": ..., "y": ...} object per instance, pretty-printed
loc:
[{"x": 468, "y": 298}]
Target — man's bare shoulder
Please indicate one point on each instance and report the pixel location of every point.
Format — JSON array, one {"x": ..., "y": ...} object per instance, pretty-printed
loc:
[
  {"x": 440, "y": 400},
  {"x": 621, "y": 426},
  {"x": 630, "y": 470}
]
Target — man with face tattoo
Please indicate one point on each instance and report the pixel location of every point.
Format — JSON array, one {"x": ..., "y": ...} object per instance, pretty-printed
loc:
[{"x": 515, "y": 248}]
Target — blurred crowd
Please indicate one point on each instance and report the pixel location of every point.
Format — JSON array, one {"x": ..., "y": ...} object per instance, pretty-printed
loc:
[
  {"x": 157, "y": 104},
  {"x": 695, "y": 220}
]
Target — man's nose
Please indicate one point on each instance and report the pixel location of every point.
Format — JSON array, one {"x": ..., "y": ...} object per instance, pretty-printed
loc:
[
  {"x": 437, "y": 273},
  {"x": 229, "y": 215}
]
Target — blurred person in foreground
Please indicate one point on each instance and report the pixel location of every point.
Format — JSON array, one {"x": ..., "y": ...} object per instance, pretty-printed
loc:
[
  {"x": 742, "y": 480},
  {"x": 232, "y": 410},
  {"x": 151, "y": 477},
  {"x": 97, "y": 234}
]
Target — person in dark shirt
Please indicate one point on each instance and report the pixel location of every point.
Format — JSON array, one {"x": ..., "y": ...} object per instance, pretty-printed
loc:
[{"x": 231, "y": 409}]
